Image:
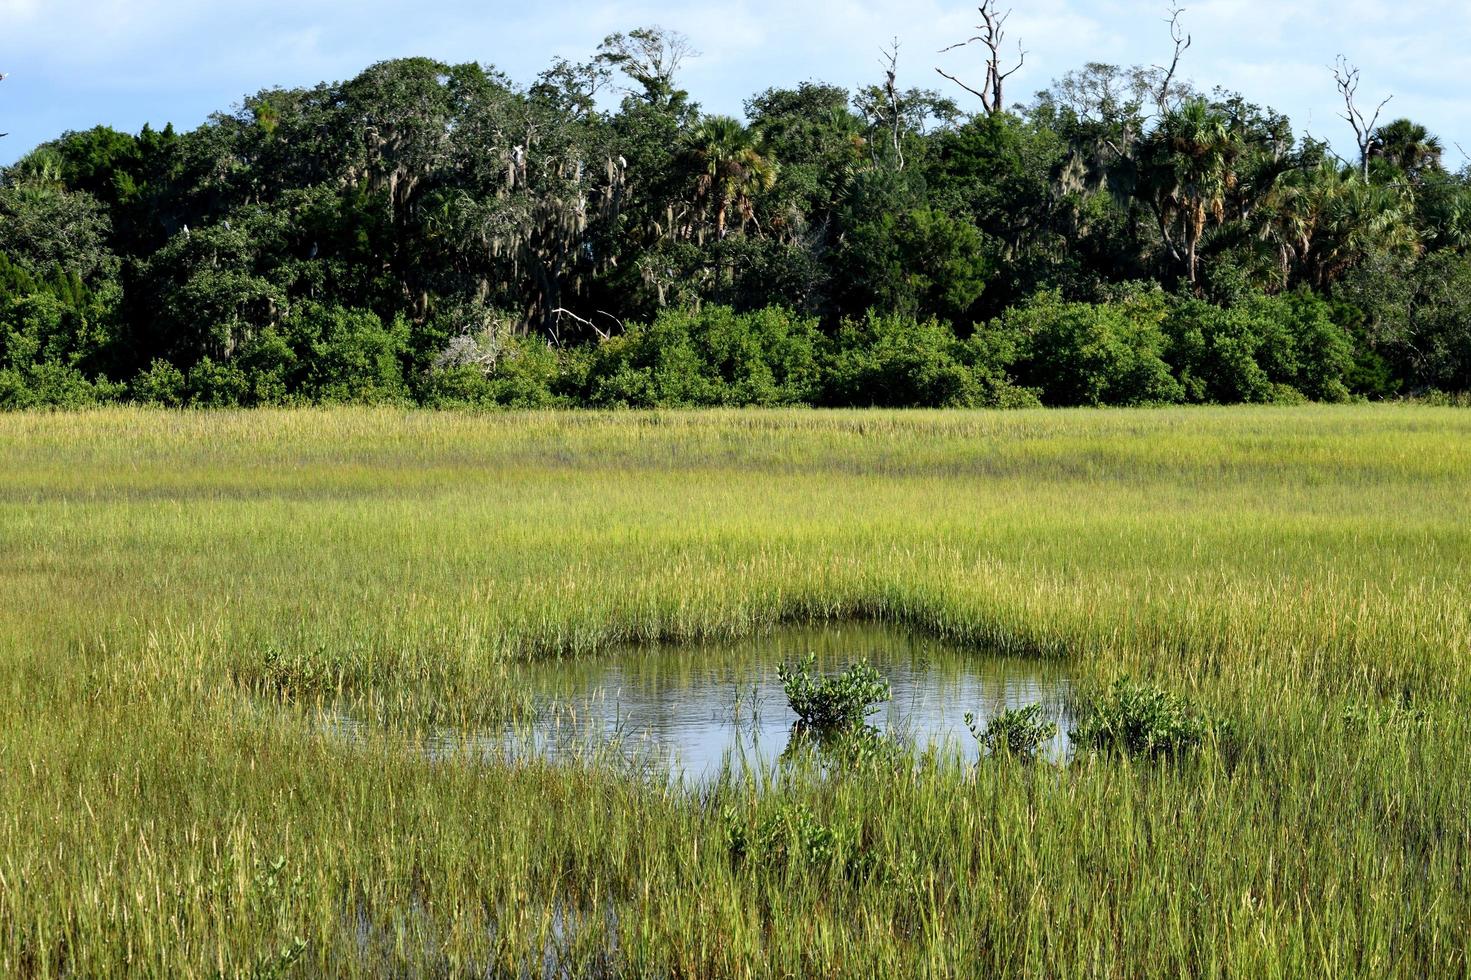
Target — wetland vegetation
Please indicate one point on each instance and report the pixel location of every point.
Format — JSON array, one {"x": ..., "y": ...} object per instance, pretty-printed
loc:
[{"x": 1259, "y": 614}]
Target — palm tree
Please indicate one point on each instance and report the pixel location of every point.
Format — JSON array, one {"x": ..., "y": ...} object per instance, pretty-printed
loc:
[
  {"x": 1328, "y": 219},
  {"x": 1284, "y": 218},
  {"x": 1407, "y": 145},
  {"x": 1356, "y": 218},
  {"x": 731, "y": 169},
  {"x": 1188, "y": 169}
]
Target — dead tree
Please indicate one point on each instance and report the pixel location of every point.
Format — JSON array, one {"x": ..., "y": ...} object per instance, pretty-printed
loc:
[
  {"x": 990, "y": 34},
  {"x": 891, "y": 92},
  {"x": 1167, "y": 75},
  {"x": 1346, "y": 76}
]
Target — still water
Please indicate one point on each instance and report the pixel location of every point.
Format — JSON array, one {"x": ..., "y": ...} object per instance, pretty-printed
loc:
[{"x": 689, "y": 708}]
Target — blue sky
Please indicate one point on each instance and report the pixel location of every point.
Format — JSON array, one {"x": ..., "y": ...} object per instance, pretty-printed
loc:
[{"x": 76, "y": 63}]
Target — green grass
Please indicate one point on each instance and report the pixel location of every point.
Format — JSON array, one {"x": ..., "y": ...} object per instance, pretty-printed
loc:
[{"x": 176, "y": 590}]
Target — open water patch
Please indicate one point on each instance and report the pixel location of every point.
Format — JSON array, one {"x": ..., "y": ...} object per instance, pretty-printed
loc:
[{"x": 691, "y": 709}]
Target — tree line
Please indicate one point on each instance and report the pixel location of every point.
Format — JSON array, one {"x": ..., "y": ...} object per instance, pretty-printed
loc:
[{"x": 441, "y": 234}]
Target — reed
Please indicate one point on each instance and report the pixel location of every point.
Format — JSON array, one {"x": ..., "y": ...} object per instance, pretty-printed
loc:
[{"x": 179, "y": 592}]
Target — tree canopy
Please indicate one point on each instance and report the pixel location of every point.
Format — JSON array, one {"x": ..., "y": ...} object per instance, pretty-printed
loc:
[{"x": 444, "y": 234}]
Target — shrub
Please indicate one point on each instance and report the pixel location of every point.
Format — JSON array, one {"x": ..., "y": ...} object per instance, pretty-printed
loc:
[
  {"x": 1016, "y": 732},
  {"x": 1322, "y": 350},
  {"x": 349, "y": 355},
  {"x": 272, "y": 369},
  {"x": 709, "y": 357},
  {"x": 161, "y": 384},
  {"x": 990, "y": 355},
  {"x": 789, "y": 833},
  {"x": 896, "y": 361},
  {"x": 1214, "y": 352},
  {"x": 52, "y": 385},
  {"x": 827, "y": 704},
  {"x": 520, "y": 374},
  {"x": 1283, "y": 349},
  {"x": 1141, "y": 720},
  {"x": 790, "y": 838},
  {"x": 217, "y": 385},
  {"x": 1092, "y": 354},
  {"x": 61, "y": 323}
]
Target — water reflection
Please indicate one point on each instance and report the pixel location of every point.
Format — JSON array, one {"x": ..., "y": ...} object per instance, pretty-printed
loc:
[{"x": 689, "y": 708}]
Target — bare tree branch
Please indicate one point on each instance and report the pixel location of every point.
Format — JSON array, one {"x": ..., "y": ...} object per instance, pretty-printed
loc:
[
  {"x": 891, "y": 89},
  {"x": 944, "y": 74},
  {"x": 991, "y": 33},
  {"x": 560, "y": 312},
  {"x": 1347, "y": 78},
  {"x": 1182, "y": 43}
]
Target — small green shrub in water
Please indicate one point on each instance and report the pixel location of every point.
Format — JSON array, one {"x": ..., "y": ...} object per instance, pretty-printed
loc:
[
  {"x": 1016, "y": 732},
  {"x": 1141, "y": 720},
  {"x": 827, "y": 704}
]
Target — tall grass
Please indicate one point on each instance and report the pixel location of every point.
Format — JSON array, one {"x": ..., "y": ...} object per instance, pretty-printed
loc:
[{"x": 175, "y": 590}]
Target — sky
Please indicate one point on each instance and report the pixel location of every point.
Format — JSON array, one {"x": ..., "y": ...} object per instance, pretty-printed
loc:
[{"x": 73, "y": 64}]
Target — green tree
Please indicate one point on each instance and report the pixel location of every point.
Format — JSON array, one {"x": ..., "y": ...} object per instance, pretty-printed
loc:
[
  {"x": 1189, "y": 170},
  {"x": 731, "y": 170},
  {"x": 1408, "y": 147}
]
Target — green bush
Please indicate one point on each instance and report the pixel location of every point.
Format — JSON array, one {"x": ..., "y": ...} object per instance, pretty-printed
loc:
[
  {"x": 161, "y": 384},
  {"x": 1322, "y": 351},
  {"x": 349, "y": 355},
  {"x": 788, "y": 835},
  {"x": 1266, "y": 349},
  {"x": 522, "y": 374},
  {"x": 896, "y": 361},
  {"x": 829, "y": 704},
  {"x": 789, "y": 839},
  {"x": 273, "y": 368},
  {"x": 52, "y": 385},
  {"x": 218, "y": 385},
  {"x": 1141, "y": 720},
  {"x": 1015, "y": 733},
  {"x": 990, "y": 355},
  {"x": 710, "y": 357},
  {"x": 59, "y": 324},
  {"x": 1092, "y": 354},
  {"x": 1214, "y": 352}
]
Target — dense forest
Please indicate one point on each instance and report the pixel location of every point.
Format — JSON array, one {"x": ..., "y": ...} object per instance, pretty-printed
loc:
[{"x": 441, "y": 234}]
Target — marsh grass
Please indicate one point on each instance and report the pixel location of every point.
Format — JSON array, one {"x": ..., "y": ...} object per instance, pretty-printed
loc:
[{"x": 177, "y": 591}]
